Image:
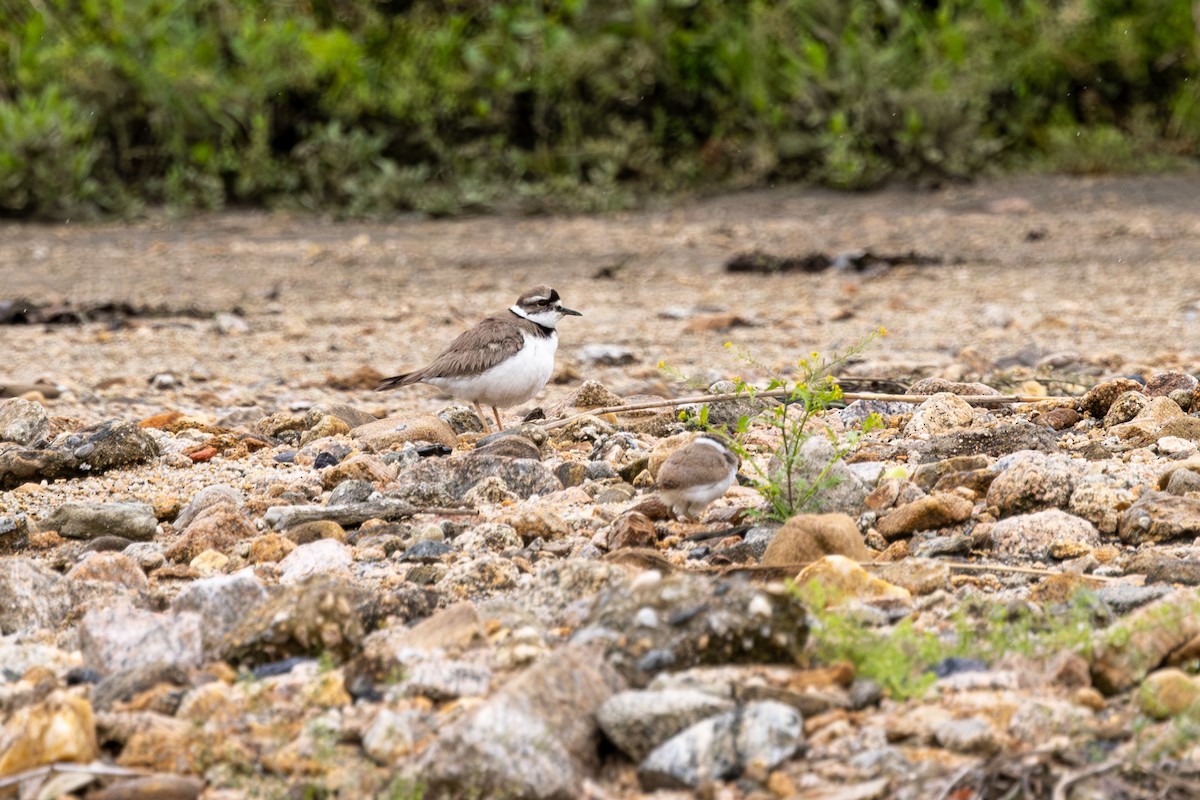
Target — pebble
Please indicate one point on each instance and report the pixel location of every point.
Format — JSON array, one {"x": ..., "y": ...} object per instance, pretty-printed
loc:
[
  {"x": 1044, "y": 534},
  {"x": 809, "y": 537},
  {"x": 23, "y": 422}
]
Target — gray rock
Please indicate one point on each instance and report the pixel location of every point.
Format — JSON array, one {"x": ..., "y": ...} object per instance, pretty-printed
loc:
[
  {"x": 218, "y": 494},
  {"x": 112, "y": 444},
  {"x": 119, "y": 638},
  {"x": 1099, "y": 398},
  {"x": 1044, "y": 534},
  {"x": 126, "y": 684},
  {"x": 859, "y": 410},
  {"x": 995, "y": 441},
  {"x": 639, "y": 721},
  {"x": 34, "y": 597},
  {"x": 762, "y": 733},
  {"x": 1123, "y": 598},
  {"x": 1160, "y": 517},
  {"x": 843, "y": 491},
  {"x": 704, "y": 622},
  {"x": 1126, "y": 408},
  {"x": 17, "y": 657},
  {"x": 351, "y": 491},
  {"x": 441, "y": 679},
  {"x": 348, "y": 515},
  {"x": 1100, "y": 499},
  {"x": 970, "y": 735},
  {"x": 523, "y": 477},
  {"x": 23, "y": 422},
  {"x": 20, "y": 465},
  {"x": 348, "y": 414},
  {"x": 134, "y": 521},
  {"x": 609, "y": 355},
  {"x": 533, "y": 739},
  {"x": 322, "y": 557},
  {"x": 393, "y": 735},
  {"x": 222, "y": 602},
  {"x": 1032, "y": 481}
]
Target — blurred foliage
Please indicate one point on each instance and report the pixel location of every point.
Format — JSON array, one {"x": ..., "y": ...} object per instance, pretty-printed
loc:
[{"x": 444, "y": 106}]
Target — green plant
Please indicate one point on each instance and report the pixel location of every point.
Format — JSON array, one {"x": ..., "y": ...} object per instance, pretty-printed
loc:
[
  {"x": 794, "y": 403},
  {"x": 900, "y": 659}
]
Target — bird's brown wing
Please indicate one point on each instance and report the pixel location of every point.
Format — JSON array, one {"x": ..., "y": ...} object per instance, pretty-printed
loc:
[
  {"x": 702, "y": 463},
  {"x": 476, "y": 349}
]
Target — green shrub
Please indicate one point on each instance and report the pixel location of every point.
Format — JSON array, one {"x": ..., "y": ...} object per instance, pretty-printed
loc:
[{"x": 361, "y": 107}]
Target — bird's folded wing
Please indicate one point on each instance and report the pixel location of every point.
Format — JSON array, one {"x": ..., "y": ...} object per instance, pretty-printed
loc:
[
  {"x": 482, "y": 347},
  {"x": 693, "y": 465}
]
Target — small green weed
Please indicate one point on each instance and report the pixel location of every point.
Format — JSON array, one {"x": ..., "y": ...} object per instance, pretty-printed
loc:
[{"x": 798, "y": 401}]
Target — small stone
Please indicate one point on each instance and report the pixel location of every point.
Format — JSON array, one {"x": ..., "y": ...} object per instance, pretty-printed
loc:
[
  {"x": 1101, "y": 500},
  {"x": 119, "y": 638},
  {"x": 218, "y": 527},
  {"x": 23, "y": 422},
  {"x": 639, "y": 721},
  {"x": 1032, "y": 481},
  {"x": 60, "y": 728},
  {"x": 931, "y": 386},
  {"x": 323, "y": 556},
  {"x": 927, "y": 513},
  {"x": 808, "y": 537},
  {"x": 919, "y": 576},
  {"x": 35, "y": 597},
  {"x": 269, "y": 548},
  {"x": 1041, "y": 534},
  {"x": 940, "y": 413},
  {"x": 115, "y": 568},
  {"x": 1128, "y": 650},
  {"x": 360, "y": 467},
  {"x": 995, "y": 441},
  {"x": 112, "y": 444},
  {"x": 926, "y": 476},
  {"x": 88, "y": 520},
  {"x": 759, "y": 737},
  {"x": 843, "y": 580},
  {"x": 631, "y": 529},
  {"x": 14, "y": 533},
  {"x": 1167, "y": 384},
  {"x": 1168, "y": 693},
  {"x": 391, "y": 433},
  {"x": 1160, "y": 517},
  {"x": 1099, "y": 399},
  {"x": 222, "y": 602},
  {"x": 970, "y": 735},
  {"x": 316, "y": 530}
]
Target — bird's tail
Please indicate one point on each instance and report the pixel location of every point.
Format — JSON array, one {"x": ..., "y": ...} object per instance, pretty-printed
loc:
[{"x": 396, "y": 381}]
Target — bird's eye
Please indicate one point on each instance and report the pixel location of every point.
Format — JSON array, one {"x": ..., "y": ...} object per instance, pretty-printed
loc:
[{"x": 543, "y": 302}]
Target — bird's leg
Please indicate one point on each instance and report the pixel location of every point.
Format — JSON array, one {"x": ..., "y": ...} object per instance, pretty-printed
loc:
[
  {"x": 499, "y": 424},
  {"x": 487, "y": 426}
]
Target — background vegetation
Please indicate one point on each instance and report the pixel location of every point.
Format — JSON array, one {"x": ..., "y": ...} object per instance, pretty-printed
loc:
[{"x": 363, "y": 106}]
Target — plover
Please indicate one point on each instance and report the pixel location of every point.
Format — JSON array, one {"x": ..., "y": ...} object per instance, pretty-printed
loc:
[
  {"x": 503, "y": 361},
  {"x": 696, "y": 474}
]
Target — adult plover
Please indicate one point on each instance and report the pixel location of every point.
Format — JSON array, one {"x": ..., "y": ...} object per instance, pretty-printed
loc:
[
  {"x": 503, "y": 361},
  {"x": 696, "y": 474}
]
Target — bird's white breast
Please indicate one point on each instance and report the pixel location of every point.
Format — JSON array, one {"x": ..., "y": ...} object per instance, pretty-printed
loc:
[{"x": 510, "y": 382}]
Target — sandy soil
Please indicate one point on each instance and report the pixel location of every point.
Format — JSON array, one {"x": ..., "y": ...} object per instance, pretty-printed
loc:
[{"x": 1097, "y": 274}]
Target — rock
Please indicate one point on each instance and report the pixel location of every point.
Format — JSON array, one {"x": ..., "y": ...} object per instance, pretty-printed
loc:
[
  {"x": 218, "y": 494},
  {"x": 919, "y": 576},
  {"x": 685, "y": 620},
  {"x": 112, "y": 444},
  {"x": 118, "y": 638},
  {"x": 1131, "y": 648},
  {"x": 1167, "y": 693},
  {"x": 353, "y": 417},
  {"x": 314, "y": 531},
  {"x": 1044, "y": 534},
  {"x": 1172, "y": 385},
  {"x": 931, "y": 386},
  {"x": 524, "y": 477},
  {"x": 35, "y": 597},
  {"x": 809, "y": 537},
  {"x": 1158, "y": 517},
  {"x": 385, "y": 653},
  {"x": 152, "y": 787},
  {"x": 1101, "y": 499},
  {"x": 222, "y": 602},
  {"x": 389, "y": 434},
  {"x": 1125, "y": 408},
  {"x": 1151, "y": 423},
  {"x": 218, "y": 527},
  {"x": 1060, "y": 419},
  {"x": 842, "y": 580},
  {"x": 609, "y": 355},
  {"x": 124, "y": 686},
  {"x": 926, "y": 476},
  {"x": 927, "y": 513},
  {"x": 534, "y": 738},
  {"x": 441, "y": 679},
  {"x": 14, "y": 534},
  {"x": 359, "y": 467},
  {"x": 509, "y": 446},
  {"x": 1167, "y": 569},
  {"x": 758, "y": 737},
  {"x": 1032, "y": 481},
  {"x": 631, "y": 529},
  {"x": 325, "y": 427},
  {"x": 19, "y": 465},
  {"x": 841, "y": 491},
  {"x": 394, "y": 735},
  {"x": 315, "y": 616},
  {"x": 639, "y": 721},
  {"x": 940, "y": 413},
  {"x": 1099, "y": 398},
  {"x": 970, "y": 735},
  {"x": 115, "y": 568},
  {"x": 348, "y": 515},
  {"x": 590, "y": 394},
  {"x": 23, "y": 422},
  {"x": 59, "y": 728},
  {"x": 997, "y": 440},
  {"x": 134, "y": 521},
  {"x": 324, "y": 556}
]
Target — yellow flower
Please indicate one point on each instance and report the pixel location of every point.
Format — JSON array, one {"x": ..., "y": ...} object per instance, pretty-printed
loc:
[{"x": 662, "y": 364}]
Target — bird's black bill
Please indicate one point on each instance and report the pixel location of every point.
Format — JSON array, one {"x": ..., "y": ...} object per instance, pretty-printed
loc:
[{"x": 569, "y": 312}]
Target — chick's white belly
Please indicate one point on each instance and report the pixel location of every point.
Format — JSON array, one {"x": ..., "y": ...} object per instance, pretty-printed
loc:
[
  {"x": 510, "y": 382},
  {"x": 700, "y": 495}
]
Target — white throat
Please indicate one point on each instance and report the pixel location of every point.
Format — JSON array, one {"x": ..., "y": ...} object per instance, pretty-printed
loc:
[{"x": 547, "y": 319}]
